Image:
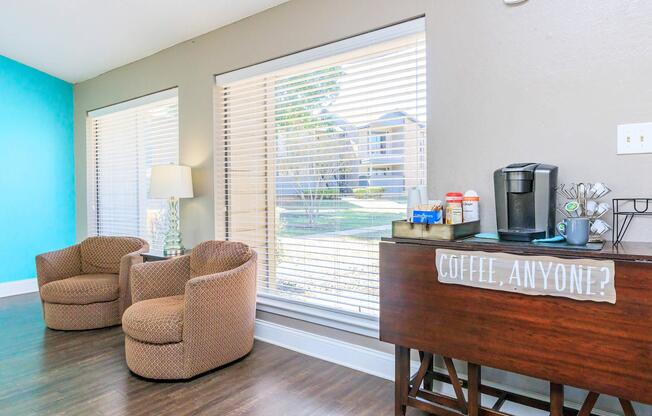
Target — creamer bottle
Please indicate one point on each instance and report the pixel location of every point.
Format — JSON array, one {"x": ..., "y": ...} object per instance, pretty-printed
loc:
[
  {"x": 454, "y": 208},
  {"x": 471, "y": 206}
]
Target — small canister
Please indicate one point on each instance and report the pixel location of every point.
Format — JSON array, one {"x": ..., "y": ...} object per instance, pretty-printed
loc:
[
  {"x": 471, "y": 206},
  {"x": 454, "y": 213}
]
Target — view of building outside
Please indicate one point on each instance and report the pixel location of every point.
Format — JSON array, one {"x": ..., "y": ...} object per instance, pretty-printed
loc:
[{"x": 350, "y": 139}]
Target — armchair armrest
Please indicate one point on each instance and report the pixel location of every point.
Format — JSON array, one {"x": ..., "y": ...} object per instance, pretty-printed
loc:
[
  {"x": 57, "y": 265},
  {"x": 125, "y": 269},
  {"x": 219, "y": 315},
  {"x": 159, "y": 279}
]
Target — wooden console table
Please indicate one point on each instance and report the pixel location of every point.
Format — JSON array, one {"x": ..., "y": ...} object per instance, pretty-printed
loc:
[{"x": 600, "y": 347}]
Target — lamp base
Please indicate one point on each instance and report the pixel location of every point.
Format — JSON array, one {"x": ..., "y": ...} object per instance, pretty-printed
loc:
[
  {"x": 174, "y": 251},
  {"x": 173, "y": 245}
]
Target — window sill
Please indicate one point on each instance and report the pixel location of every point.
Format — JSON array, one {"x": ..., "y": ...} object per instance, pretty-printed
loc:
[{"x": 367, "y": 326}]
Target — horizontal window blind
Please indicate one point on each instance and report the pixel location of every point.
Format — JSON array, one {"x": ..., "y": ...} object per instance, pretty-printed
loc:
[
  {"x": 123, "y": 143},
  {"x": 313, "y": 162}
]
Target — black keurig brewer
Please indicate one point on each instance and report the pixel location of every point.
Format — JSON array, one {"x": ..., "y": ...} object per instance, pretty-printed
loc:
[{"x": 525, "y": 201}]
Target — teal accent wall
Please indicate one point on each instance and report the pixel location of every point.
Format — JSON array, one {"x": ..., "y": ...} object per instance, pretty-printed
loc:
[{"x": 37, "y": 189}]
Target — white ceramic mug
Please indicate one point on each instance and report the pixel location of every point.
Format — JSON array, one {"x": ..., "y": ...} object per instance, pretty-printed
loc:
[{"x": 414, "y": 199}]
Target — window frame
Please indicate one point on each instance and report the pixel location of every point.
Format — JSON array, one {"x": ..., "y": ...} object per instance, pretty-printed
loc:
[
  {"x": 270, "y": 303},
  {"x": 93, "y": 185}
]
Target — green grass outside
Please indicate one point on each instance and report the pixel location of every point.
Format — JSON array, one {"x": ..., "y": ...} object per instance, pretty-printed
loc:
[
  {"x": 297, "y": 204},
  {"x": 295, "y": 223}
]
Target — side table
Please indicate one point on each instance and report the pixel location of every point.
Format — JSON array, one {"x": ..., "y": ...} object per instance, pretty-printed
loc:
[{"x": 158, "y": 255}]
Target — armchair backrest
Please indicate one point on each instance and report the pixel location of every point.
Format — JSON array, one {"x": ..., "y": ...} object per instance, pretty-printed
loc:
[
  {"x": 217, "y": 256},
  {"x": 102, "y": 254}
]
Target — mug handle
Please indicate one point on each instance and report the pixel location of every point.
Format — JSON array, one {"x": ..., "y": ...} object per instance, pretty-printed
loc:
[{"x": 561, "y": 228}]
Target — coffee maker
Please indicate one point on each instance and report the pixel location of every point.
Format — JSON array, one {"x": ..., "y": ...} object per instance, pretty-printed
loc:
[{"x": 525, "y": 201}]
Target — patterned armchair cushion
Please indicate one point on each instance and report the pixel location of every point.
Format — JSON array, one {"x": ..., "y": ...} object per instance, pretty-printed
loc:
[
  {"x": 155, "y": 321},
  {"x": 82, "y": 290},
  {"x": 159, "y": 279},
  {"x": 103, "y": 254},
  {"x": 170, "y": 335},
  {"x": 212, "y": 257},
  {"x": 58, "y": 264}
]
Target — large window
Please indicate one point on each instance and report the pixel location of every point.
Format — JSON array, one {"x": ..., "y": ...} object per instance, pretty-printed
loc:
[
  {"x": 123, "y": 142},
  {"x": 314, "y": 154}
]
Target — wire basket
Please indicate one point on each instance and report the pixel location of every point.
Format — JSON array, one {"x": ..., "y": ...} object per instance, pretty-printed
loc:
[{"x": 624, "y": 211}]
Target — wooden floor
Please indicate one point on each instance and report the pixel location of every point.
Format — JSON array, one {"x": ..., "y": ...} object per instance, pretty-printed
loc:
[{"x": 46, "y": 372}]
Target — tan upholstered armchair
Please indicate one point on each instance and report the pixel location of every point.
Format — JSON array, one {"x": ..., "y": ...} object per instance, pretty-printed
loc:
[
  {"x": 86, "y": 286},
  {"x": 192, "y": 313}
]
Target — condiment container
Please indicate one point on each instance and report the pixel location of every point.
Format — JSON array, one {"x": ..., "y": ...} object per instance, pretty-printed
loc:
[
  {"x": 471, "y": 206},
  {"x": 417, "y": 195},
  {"x": 437, "y": 206},
  {"x": 454, "y": 212},
  {"x": 430, "y": 213}
]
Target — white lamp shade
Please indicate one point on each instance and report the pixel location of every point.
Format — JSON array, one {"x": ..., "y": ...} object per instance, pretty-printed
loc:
[{"x": 170, "y": 181}]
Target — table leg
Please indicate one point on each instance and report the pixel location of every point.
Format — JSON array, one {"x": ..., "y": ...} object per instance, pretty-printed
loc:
[
  {"x": 401, "y": 379},
  {"x": 588, "y": 404},
  {"x": 428, "y": 380},
  {"x": 556, "y": 399},
  {"x": 474, "y": 371},
  {"x": 627, "y": 407}
]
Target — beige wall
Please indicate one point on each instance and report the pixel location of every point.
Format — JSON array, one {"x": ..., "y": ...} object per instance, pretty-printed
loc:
[{"x": 545, "y": 81}]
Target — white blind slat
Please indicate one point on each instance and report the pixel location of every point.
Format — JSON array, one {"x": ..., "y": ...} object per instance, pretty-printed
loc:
[
  {"x": 123, "y": 143},
  {"x": 313, "y": 162}
]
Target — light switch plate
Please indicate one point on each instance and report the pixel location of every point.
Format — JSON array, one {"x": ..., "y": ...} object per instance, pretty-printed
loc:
[{"x": 634, "y": 138}]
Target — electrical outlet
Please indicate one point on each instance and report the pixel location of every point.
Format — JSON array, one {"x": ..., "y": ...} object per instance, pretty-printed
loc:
[{"x": 634, "y": 138}]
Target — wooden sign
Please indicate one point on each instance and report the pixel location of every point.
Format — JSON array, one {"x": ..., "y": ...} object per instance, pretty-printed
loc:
[{"x": 580, "y": 279}]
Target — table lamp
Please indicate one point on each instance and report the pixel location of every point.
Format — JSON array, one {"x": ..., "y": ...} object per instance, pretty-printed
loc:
[{"x": 171, "y": 182}]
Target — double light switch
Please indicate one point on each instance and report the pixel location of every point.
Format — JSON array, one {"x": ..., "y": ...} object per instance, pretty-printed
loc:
[{"x": 634, "y": 138}]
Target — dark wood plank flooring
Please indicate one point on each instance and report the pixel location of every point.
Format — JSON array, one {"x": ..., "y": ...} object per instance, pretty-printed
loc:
[{"x": 46, "y": 372}]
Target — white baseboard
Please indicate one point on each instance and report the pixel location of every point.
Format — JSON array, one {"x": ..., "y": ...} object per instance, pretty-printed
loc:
[
  {"x": 18, "y": 287},
  {"x": 363, "y": 359},
  {"x": 349, "y": 355}
]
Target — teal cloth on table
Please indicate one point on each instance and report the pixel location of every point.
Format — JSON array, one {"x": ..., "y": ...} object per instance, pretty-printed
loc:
[
  {"x": 557, "y": 242},
  {"x": 555, "y": 239},
  {"x": 494, "y": 236},
  {"x": 488, "y": 236}
]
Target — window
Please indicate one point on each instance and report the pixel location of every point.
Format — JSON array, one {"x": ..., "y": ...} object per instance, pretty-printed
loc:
[
  {"x": 123, "y": 142},
  {"x": 378, "y": 143},
  {"x": 314, "y": 153}
]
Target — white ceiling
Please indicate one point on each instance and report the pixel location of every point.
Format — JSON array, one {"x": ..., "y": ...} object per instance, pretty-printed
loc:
[{"x": 79, "y": 39}]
